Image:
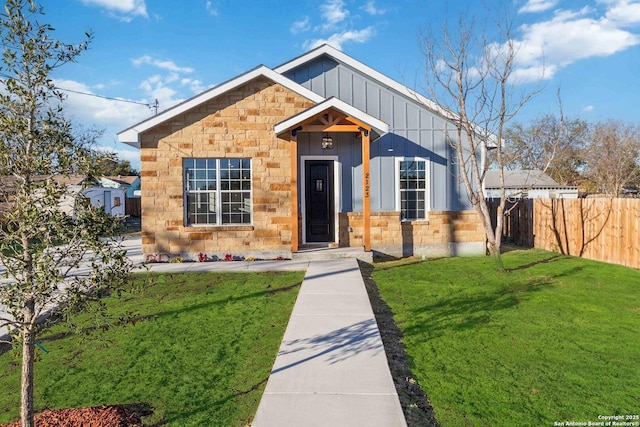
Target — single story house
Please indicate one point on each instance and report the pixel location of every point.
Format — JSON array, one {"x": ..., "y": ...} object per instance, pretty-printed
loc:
[
  {"x": 526, "y": 184},
  {"x": 321, "y": 151},
  {"x": 130, "y": 184},
  {"x": 112, "y": 199}
]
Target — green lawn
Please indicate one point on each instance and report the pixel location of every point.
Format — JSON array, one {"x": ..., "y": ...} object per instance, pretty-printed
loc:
[
  {"x": 199, "y": 355},
  {"x": 554, "y": 339}
]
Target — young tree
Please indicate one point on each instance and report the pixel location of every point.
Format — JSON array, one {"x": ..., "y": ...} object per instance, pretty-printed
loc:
[
  {"x": 41, "y": 248},
  {"x": 613, "y": 155},
  {"x": 108, "y": 164},
  {"x": 472, "y": 79},
  {"x": 551, "y": 144}
]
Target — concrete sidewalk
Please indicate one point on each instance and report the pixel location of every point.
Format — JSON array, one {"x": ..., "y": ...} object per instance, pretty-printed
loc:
[{"x": 331, "y": 369}]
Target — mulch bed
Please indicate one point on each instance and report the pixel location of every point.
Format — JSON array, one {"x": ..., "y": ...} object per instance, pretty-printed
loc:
[
  {"x": 417, "y": 409},
  {"x": 98, "y": 416}
]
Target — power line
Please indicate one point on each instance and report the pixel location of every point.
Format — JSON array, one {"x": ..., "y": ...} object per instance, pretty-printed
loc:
[{"x": 155, "y": 105}]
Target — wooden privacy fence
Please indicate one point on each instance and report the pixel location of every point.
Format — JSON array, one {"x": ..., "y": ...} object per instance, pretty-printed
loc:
[
  {"x": 600, "y": 229},
  {"x": 133, "y": 207},
  {"x": 518, "y": 221}
]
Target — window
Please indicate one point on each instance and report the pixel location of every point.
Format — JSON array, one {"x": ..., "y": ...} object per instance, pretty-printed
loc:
[
  {"x": 412, "y": 183},
  {"x": 217, "y": 191},
  {"x": 116, "y": 202}
]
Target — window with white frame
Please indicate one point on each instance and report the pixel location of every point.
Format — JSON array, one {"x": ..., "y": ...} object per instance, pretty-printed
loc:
[
  {"x": 217, "y": 191},
  {"x": 412, "y": 189}
]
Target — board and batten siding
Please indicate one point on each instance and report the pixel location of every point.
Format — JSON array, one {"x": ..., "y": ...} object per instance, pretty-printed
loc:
[{"x": 415, "y": 131}]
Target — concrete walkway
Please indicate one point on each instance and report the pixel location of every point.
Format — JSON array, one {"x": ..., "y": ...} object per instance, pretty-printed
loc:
[{"x": 331, "y": 369}]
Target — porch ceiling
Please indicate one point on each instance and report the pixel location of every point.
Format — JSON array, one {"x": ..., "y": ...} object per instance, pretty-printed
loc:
[{"x": 332, "y": 115}]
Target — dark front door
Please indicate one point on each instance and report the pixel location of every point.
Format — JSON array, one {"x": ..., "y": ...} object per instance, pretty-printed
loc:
[{"x": 319, "y": 202}]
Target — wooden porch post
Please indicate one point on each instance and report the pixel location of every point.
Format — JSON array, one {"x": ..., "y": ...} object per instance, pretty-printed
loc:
[
  {"x": 294, "y": 192},
  {"x": 366, "y": 189}
]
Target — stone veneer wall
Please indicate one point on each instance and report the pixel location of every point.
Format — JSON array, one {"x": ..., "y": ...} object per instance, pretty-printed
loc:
[
  {"x": 237, "y": 124},
  {"x": 443, "y": 234}
]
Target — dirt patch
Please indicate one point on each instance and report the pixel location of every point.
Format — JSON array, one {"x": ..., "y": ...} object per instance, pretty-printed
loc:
[
  {"x": 415, "y": 404},
  {"x": 98, "y": 416}
]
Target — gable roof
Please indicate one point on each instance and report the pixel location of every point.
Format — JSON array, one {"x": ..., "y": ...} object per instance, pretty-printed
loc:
[
  {"x": 524, "y": 179},
  {"x": 339, "y": 56},
  {"x": 122, "y": 179},
  {"x": 334, "y": 53},
  {"x": 131, "y": 135},
  {"x": 378, "y": 126}
]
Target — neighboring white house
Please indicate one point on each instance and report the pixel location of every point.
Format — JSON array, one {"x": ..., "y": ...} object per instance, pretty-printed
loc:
[
  {"x": 112, "y": 199},
  {"x": 527, "y": 184},
  {"x": 131, "y": 184}
]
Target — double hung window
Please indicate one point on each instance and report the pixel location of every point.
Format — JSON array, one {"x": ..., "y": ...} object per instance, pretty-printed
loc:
[
  {"x": 217, "y": 191},
  {"x": 412, "y": 182}
]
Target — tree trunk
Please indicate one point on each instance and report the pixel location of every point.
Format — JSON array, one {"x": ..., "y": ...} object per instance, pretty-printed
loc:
[
  {"x": 495, "y": 252},
  {"x": 493, "y": 235},
  {"x": 28, "y": 344}
]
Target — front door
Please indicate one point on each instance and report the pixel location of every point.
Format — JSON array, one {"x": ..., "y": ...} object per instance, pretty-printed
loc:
[{"x": 319, "y": 201}]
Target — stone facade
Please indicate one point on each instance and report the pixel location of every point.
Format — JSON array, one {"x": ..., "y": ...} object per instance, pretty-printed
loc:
[
  {"x": 237, "y": 124},
  {"x": 240, "y": 124},
  {"x": 443, "y": 234}
]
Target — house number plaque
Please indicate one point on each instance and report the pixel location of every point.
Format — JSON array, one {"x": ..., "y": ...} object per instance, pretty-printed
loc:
[{"x": 367, "y": 185}]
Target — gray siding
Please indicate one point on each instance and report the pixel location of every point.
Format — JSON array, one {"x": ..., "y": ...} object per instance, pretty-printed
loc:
[{"x": 415, "y": 131}]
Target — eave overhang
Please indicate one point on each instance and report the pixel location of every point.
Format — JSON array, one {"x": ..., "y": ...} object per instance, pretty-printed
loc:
[
  {"x": 131, "y": 135},
  {"x": 332, "y": 115}
]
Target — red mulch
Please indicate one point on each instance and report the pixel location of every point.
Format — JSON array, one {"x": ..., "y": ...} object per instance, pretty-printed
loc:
[{"x": 98, "y": 416}]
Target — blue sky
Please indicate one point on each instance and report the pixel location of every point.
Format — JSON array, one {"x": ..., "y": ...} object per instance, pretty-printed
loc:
[{"x": 172, "y": 50}]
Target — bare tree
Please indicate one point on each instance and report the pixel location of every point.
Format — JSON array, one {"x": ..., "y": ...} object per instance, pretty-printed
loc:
[
  {"x": 613, "y": 155},
  {"x": 549, "y": 143},
  {"x": 473, "y": 80},
  {"x": 41, "y": 247}
]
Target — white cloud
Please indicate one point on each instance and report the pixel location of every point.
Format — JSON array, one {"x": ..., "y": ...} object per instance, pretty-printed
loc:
[
  {"x": 195, "y": 86},
  {"x": 623, "y": 12},
  {"x": 211, "y": 8},
  {"x": 333, "y": 12},
  {"x": 371, "y": 8},
  {"x": 168, "y": 88},
  {"x": 125, "y": 10},
  {"x": 337, "y": 40},
  {"x": 100, "y": 111},
  {"x": 588, "y": 108},
  {"x": 157, "y": 87},
  {"x": 533, "y": 6},
  {"x": 300, "y": 26},
  {"x": 570, "y": 36},
  {"x": 166, "y": 65}
]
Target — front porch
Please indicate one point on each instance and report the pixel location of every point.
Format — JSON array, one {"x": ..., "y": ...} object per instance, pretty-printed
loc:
[{"x": 321, "y": 196}]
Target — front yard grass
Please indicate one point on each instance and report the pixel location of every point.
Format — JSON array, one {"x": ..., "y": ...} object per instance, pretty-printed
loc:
[
  {"x": 199, "y": 353},
  {"x": 554, "y": 339}
]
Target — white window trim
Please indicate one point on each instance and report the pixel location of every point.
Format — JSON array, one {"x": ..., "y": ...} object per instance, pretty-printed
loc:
[
  {"x": 337, "y": 175},
  {"x": 427, "y": 196},
  {"x": 218, "y": 193}
]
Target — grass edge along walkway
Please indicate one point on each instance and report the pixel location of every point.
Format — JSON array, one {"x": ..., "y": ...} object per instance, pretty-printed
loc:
[
  {"x": 555, "y": 339},
  {"x": 199, "y": 353}
]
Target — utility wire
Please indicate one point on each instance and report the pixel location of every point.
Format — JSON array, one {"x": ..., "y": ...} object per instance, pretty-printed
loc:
[{"x": 155, "y": 105}]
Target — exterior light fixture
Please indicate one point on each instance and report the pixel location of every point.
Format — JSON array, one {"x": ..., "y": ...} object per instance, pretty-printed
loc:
[{"x": 327, "y": 142}]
